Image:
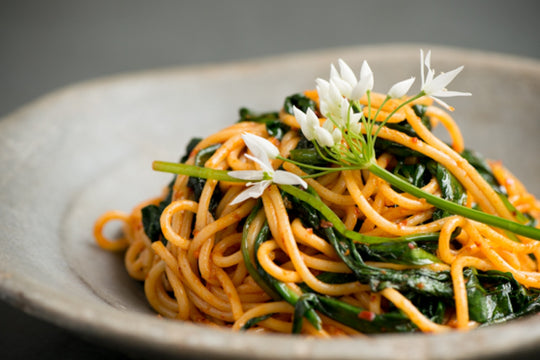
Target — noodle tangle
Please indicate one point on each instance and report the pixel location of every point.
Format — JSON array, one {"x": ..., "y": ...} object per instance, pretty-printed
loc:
[{"x": 196, "y": 270}]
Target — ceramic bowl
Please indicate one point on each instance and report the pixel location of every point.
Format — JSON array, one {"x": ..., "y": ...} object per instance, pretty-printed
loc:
[{"x": 88, "y": 148}]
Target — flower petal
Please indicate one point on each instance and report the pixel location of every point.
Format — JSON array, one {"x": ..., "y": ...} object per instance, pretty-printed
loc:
[
  {"x": 344, "y": 87},
  {"x": 360, "y": 90},
  {"x": 441, "y": 81},
  {"x": 323, "y": 137},
  {"x": 323, "y": 87},
  {"x": 400, "y": 89},
  {"x": 328, "y": 125},
  {"x": 312, "y": 118},
  {"x": 288, "y": 178},
  {"x": 253, "y": 191},
  {"x": 264, "y": 163},
  {"x": 355, "y": 127},
  {"x": 346, "y": 73},
  {"x": 337, "y": 136},
  {"x": 333, "y": 72},
  {"x": 366, "y": 75},
  {"x": 442, "y": 103},
  {"x": 427, "y": 60},
  {"x": 332, "y": 100},
  {"x": 354, "y": 117},
  {"x": 365, "y": 83},
  {"x": 446, "y": 93},
  {"x": 260, "y": 147},
  {"x": 301, "y": 117},
  {"x": 429, "y": 78},
  {"x": 345, "y": 113},
  {"x": 247, "y": 174}
]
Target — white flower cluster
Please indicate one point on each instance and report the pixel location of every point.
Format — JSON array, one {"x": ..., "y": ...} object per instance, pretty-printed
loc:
[
  {"x": 343, "y": 87},
  {"x": 325, "y": 135},
  {"x": 336, "y": 97}
]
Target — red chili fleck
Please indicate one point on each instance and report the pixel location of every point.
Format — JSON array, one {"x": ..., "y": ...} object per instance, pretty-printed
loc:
[
  {"x": 366, "y": 315},
  {"x": 326, "y": 224},
  {"x": 309, "y": 230},
  {"x": 414, "y": 139},
  {"x": 420, "y": 286},
  {"x": 411, "y": 245}
]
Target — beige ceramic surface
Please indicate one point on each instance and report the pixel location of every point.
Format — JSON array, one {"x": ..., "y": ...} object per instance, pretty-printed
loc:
[{"x": 71, "y": 155}]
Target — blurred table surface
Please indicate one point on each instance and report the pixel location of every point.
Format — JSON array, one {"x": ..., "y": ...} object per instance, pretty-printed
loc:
[{"x": 45, "y": 45}]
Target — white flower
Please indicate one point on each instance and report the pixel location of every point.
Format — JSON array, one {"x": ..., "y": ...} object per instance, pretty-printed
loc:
[
  {"x": 262, "y": 150},
  {"x": 335, "y": 107},
  {"x": 308, "y": 122},
  {"x": 324, "y": 137},
  {"x": 347, "y": 116},
  {"x": 400, "y": 89},
  {"x": 436, "y": 86},
  {"x": 329, "y": 98},
  {"x": 355, "y": 128},
  {"x": 366, "y": 79},
  {"x": 336, "y": 132},
  {"x": 337, "y": 136},
  {"x": 260, "y": 146},
  {"x": 346, "y": 81},
  {"x": 311, "y": 127}
]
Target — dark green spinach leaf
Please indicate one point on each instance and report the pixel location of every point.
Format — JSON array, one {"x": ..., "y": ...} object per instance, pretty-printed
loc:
[
  {"x": 301, "y": 101},
  {"x": 495, "y": 296},
  {"x": 274, "y": 126},
  {"x": 197, "y": 184},
  {"x": 151, "y": 215},
  {"x": 451, "y": 188}
]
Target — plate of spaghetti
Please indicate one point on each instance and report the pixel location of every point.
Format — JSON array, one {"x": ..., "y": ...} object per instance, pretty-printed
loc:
[{"x": 345, "y": 203}]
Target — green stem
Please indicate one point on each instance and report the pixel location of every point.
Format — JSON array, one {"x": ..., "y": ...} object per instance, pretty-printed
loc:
[
  {"x": 454, "y": 208},
  {"x": 395, "y": 111},
  {"x": 496, "y": 221},
  {"x": 340, "y": 227},
  {"x": 307, "y": 166},
  {"x": 374, "y": 118},
  {"x": 323, "y": 169},
  {"x": 195, "y": 171}
]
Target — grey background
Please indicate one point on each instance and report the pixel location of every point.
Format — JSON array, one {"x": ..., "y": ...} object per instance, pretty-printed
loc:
[{"x": 45, "y": 45}]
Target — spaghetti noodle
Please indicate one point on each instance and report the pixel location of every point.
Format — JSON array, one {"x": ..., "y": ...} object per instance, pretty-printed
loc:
[{"x": 268, "y": 264}]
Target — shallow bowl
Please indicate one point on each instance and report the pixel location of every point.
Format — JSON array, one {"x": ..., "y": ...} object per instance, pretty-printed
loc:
[{"x": 88, "y": 148}]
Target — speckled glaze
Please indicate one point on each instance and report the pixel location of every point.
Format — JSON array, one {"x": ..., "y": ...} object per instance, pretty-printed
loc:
[{"x": 73, "y": 154}]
